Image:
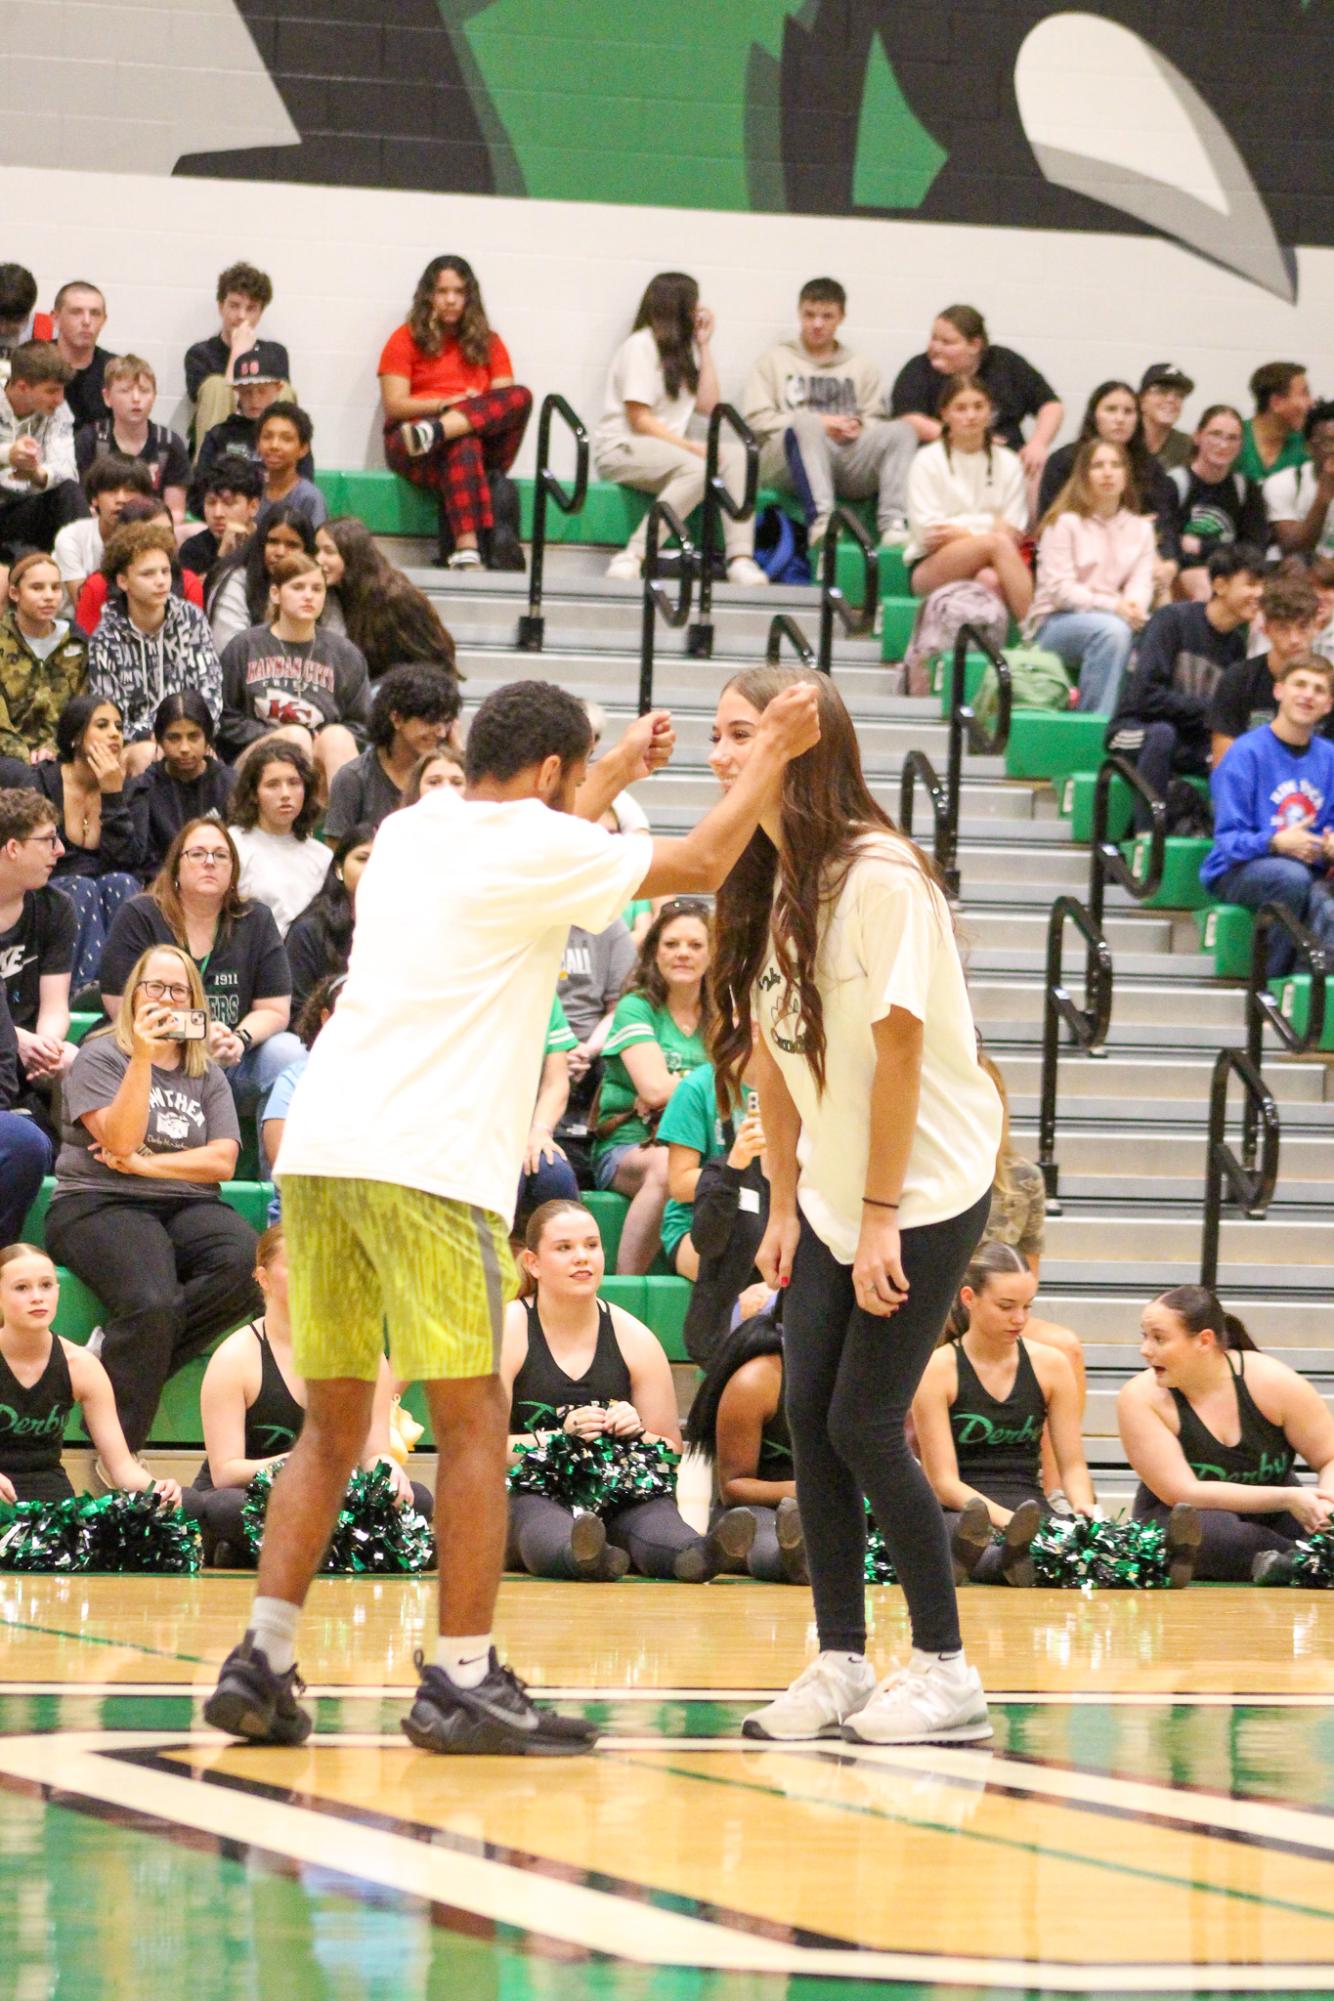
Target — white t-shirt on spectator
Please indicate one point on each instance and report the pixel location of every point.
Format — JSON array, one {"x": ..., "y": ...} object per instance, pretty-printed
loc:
[
  {"x": 887, "y": 942},
  {"x": 636, "y": 377},
  {"x": 279, "y": 870},
  {"x": 427, "y": 1073},
  {"x": 78, "y": 549},
  {"x": 1290, "y": 495}
]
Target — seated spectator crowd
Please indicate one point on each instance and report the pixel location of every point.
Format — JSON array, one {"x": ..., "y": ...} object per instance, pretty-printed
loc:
[{"x": 212, "y": 695}]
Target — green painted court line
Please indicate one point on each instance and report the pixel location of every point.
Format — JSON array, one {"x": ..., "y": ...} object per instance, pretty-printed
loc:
[
  {"x": 97, "y": 1640},
  {"x": 1006, "y": 1841}
]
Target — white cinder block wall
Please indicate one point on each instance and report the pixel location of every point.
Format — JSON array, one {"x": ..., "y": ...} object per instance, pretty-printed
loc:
[{"x": 561, "y": 280}]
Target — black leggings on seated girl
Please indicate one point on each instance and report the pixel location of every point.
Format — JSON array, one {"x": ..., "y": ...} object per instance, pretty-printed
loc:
[{"x": 653, "y": 1533}]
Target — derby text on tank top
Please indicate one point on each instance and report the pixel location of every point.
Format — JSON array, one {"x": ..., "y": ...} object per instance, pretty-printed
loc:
[
  {"x": 32, "y": 1421},
  {"x": 1262, "y": 1456},
  {"x": 542, "y": 1386},
  {"x": 274, "y": 1420},
  {"x": 996, "y": 1440}
]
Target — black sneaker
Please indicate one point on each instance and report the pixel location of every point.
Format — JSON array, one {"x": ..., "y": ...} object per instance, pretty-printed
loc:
[
  {"x": 1182, "y": 1540},
  {"x": 971, "y": 1539},
  {"x": 253, "y": 1702},
  {"x": 1016, "y": 1562},
  {"x": 493, "y": 1720}
]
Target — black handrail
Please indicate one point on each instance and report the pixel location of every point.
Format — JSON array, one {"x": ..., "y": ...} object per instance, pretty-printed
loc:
[
  {"x": 1251, "y": 1187},
  {"x": 1263, "y": 1009},
  {"x": 965, "y": 732},
  {"x": 1088, "y": 1023},
  {"x": 1107, "y": 863},
  {"x": 784, "y": 627},
  {"x": 717, "y": 502},
  {"x": 854, "y": 620},
  {"x": 655, "y": 597},
  {"x": 918, "y": 768},
  {"x": 532, "y": 626}
]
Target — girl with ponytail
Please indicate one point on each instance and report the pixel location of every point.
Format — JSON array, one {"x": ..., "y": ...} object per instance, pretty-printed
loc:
[
  {"x": 738, "y": 1424},
  {"x": 1215, "y": 1423},
  {"x": 980, "y": 1413}
]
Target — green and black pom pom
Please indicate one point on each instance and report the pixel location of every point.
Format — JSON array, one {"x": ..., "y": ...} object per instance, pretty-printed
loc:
[
  {"x": 877, "y": 1569},
  {"x": 1311, "y": 1561},
  {"x": 1071, "y": 1552},
  {"x": 598, "y": 1474},
  {"x": 99, "y": 1532},
  {"x": 373, "y": 1536}
]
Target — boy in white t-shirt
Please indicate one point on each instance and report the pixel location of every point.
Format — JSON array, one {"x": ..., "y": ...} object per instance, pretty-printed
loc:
[
  {"x": 109, "y": 482},
  {"x": 401, "y": 1154}
]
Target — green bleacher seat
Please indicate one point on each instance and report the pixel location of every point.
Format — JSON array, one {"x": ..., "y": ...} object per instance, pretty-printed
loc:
[
  {"x": 609, "y": 1209},
  {"x": 974, "y": 667},
  {"x": 898, "y": 614},
  {"x": 666, "y": 1301},
  {"x": 81, "y": 1025},
  {"x": 1181, "y": 888},
  {"x": 1051, "y": 743},
  {"x": 1225, "y": 930},
  {"x": 391, "y": 506},
  {"x": 1076, "y": 796},
  {"x": 80, "y": 1310},
  {"x": 1294, "y": 996}
]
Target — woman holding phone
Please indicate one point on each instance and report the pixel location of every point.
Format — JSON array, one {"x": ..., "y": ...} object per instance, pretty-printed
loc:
[
  {"x": 150, "y": 1133},
  {"x": 881, "y": 1131}
]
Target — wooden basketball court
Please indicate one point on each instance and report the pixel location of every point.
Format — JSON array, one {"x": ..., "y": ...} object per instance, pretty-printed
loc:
[{"x": 1156, "y": 1815}]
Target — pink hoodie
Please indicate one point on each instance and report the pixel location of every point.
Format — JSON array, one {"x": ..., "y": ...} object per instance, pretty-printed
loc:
[{"x": 1085, "y": 563}]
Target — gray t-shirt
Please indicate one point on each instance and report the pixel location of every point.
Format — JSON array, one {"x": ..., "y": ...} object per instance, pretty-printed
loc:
[
  {"x": 593, "y": 971},
  {"x": 183, "y": 1112},
  {"x": 360, "y": 791}
]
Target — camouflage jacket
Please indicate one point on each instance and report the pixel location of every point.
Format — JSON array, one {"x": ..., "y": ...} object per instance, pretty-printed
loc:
[{"x": 33, "y": 692}]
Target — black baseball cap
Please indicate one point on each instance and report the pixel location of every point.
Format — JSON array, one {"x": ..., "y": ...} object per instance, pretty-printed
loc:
[
  {"x": 1166, "y": 375},
  {"x": 264, "y": 362}
]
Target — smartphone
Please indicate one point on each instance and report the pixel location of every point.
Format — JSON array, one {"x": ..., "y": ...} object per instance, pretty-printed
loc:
[
  {"x": 186, "y": 1024},
  {"x": 752, "y": 1103}
]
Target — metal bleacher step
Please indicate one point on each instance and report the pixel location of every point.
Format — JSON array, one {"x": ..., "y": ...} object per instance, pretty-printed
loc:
[
  {"x": 1032, "y": 960},
  {"x": 1142, "y": 1083},
  {"x": 1159, "y": 1010},
  {"x": 1115, "y": 1154},
  {"x": 1110, "y": 1318}
]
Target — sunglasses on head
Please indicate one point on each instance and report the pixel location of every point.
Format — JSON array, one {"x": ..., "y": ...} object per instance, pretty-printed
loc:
[{"x": 686, "y": 906}]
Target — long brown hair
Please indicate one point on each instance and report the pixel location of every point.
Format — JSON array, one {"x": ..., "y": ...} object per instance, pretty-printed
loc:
[
  {"x": 1197, "y": 1307},
  {"x": 646, "y": 975},
  {"x": 165, "y": 889},
  {"x": 474, "y": 331},
  {"x": 1006, "y": 1153},
  {"x": 667, "y": 309},
  {"x": 1076, "y": 496},
  {"x": 826, "y": 808}
]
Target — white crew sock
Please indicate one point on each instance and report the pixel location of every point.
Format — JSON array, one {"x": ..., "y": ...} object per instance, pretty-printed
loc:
[
  {"x": 273, "y": 1624},
  {"x": 465, "y": 1658},
  {"x": 921, "y": 1661}
]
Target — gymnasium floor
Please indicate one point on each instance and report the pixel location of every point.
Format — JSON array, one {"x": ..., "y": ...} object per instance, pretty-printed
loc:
[{"x": 1156, "y": 1815}]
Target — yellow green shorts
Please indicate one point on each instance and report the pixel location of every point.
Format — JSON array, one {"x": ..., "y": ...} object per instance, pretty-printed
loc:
[{"x": 366, "y": 1255}]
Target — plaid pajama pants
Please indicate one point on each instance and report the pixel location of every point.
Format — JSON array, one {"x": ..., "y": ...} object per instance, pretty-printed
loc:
[{"x": 455, "y": 469}]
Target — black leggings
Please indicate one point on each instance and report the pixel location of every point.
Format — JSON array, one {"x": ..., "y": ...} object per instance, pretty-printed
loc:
[
  {"x": 850, "y": 1380},
  {"x": 1229, "y": 1544},
  {"x": 988, "y": 1569},
  {"x": 654, "y": 1533}
]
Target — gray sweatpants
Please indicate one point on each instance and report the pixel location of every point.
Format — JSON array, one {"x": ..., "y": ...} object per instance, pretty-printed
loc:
[{"x": 804, "y": 459}]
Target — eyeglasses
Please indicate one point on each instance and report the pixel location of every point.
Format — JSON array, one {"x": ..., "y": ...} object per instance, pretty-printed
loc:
[
  {"x": 51, "y": 840},
  {"x": 218, "y": 855},
  {"x": 163, "y": 990}
]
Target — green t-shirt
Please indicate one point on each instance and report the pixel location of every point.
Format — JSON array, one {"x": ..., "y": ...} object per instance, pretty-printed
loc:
[
  {"x": 559, "y": 1033},
  {"x": 1294, "y": 453},
  {"x": 637, "y": 1020},
  {"x": 691, "y": 1119}
]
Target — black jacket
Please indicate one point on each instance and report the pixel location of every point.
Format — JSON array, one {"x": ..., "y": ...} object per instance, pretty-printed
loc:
[{"x": 727, "y": 1236}]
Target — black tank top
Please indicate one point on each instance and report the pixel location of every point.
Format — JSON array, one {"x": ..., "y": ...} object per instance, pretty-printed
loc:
[
  {"x": 32, "y": 1421},
  {"x": 776, "y": 1461},
  {"x": 1262, "y": 1456},
  {"x": 995, "y": 1441},
  {"x": 542, "y": 1386},
  {"x": 273, "y": 1421}
]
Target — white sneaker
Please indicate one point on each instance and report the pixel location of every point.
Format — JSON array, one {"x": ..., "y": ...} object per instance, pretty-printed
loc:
[
  {"x": 745, "y": 570},
  {"x": 819, "y": 1702},
  {"x": 895, "y": 531},
  {"x": 938, "y": 1702},
  {"x": 626, "y": 565},
  {"x": 417, "y": 438},
  {"x": 464, "y": 559}
]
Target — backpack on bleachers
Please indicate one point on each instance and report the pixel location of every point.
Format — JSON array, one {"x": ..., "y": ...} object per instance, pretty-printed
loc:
[
  {"x": 939, "y": 622},
  {"x": 781, "y": 547},
  {"x": 1039, "y": 679}
]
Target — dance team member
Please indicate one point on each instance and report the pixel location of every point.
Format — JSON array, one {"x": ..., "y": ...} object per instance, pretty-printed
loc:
[
  {"x": 1213, "y": 1422},
  {"x": 738, "y": 1424}
]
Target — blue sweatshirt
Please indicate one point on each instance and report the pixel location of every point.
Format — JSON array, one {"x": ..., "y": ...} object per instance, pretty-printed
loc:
[{"x": 1262, "y": 786}]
